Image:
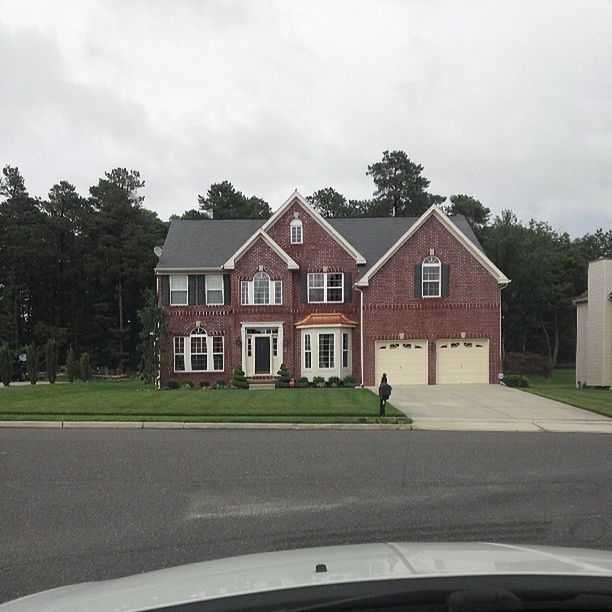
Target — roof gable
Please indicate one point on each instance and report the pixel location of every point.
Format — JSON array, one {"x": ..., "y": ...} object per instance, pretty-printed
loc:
[
  {"x": 324, "y": 223},
  {"x": 230, "y": 264},
  {"x": 470, "y": 245}
]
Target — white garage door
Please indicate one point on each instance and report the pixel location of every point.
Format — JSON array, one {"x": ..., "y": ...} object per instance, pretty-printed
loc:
[
  {"x": 462, "y": 361},
  {"x": 403, "y": 361}
]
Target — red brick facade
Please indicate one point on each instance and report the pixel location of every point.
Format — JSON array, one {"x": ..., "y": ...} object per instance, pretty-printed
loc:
[{"x": 390, "y": 307}]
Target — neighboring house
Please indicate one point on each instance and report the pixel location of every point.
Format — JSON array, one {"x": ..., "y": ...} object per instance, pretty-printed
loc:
[
  {"x": 594, "y": 327},
  {"x": 416, "y": 298}
]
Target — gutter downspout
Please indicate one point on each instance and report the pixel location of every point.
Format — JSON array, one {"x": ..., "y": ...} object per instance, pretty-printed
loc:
[{"x": 360, "y": 332}]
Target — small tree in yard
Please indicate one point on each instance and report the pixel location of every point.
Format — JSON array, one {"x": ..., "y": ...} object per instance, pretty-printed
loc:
[
  {"x": 51, "y": 359},
  {"x": 72, "y": 365},
  {"x": 6, "y": 365},
  {"x": 239, "y": 378},
  {"x": 85, "y": 367},
  {"x": 284, "y": 376},
  {"x": 33, "y": 361}
]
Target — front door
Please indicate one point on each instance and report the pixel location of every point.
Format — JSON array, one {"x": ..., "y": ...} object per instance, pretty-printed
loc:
[{"x": 262, "y": 354}]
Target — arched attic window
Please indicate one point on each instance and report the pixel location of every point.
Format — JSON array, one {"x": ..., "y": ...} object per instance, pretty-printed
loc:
[
  {"x": 431, "y": 275},
  {"x": 297, "y": 234}
]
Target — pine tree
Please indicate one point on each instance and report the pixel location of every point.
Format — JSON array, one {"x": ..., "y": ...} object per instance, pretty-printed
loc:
[
  {"x": 284, "y": 376},
  {"x": 72, "y": 365},
  {"x": 6, "y": 365},
  {"x": 33, "y": 361},
  {"x": 51, "y": 359},
  {"x": 239, "y": 378},
  {"x": 85, "y": 367}
]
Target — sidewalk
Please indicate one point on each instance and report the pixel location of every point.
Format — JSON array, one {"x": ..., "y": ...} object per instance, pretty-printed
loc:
[{"x": 548, "y": 425}]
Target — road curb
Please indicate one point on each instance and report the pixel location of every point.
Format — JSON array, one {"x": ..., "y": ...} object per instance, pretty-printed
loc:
[{"x": 187, "y": 425}]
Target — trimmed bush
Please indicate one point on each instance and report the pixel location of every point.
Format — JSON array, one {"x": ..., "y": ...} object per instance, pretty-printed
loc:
[
  {"x": 349, "y": 379},
  {"x": 516, "y": 380},
  {"x": 239, "y": 380},
  {"x": 51, "y": 359},
  {"x": 303, "y": 383},
  {"x": 33, "y": 361},
  {"x": 527, "y": 363},
  {"x": 333, "y": 381},
  {"x": 173, "y": 384},
  {"x": 85, "y": 367},
  {"x": 6, "y": 365},
  {"x": 72, "y": 365},
  {"x": 204, "y": 384},
  {"x": 318, "y": 381},
  {"x": 284, "y": 376}
]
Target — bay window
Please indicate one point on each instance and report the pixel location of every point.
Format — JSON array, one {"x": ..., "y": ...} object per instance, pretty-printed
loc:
[{"x": 326, "y": 351}]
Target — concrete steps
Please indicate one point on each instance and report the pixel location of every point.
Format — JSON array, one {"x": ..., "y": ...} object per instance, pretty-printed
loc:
[{"x": 261, "y": 383}]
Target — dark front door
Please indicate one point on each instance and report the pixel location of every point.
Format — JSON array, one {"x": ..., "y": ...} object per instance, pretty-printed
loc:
[{"x": 262, "y": 355}]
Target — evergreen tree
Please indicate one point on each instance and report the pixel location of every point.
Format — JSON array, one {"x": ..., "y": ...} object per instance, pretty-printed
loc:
[
  {"x": 33, "y": 362},
  {"x": 239, "y": 378},
  {"x": 85, "y": 367},
  {"x": 6, "y": 365},
  {"x": 72, "y": 365},
  {"x": 51, "y": 359}
]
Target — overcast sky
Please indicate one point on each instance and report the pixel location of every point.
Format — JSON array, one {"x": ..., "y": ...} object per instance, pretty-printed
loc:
[{"x": 510, "y": 102}]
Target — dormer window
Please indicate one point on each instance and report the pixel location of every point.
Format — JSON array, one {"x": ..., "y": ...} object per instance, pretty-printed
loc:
[
  {"x": 431, "y": 277},
  {"x": 297, "y": 236}
]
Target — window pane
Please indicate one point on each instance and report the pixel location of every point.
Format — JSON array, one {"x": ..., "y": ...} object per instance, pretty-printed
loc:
[
  {"x": 178, "y": 297},
  {"x": 214, "y": 297},
  {"x": 316, "y": 295},
  {"x": 217, "y": 344},
  {"x": 275, "y": 346},
  {"x": 334, "y": 295},
  {"x": 431, "y": 288},
  {"x": 214, "y": 281},
  {"x": 198, "y": 353},
  {"x": 179, "y": 363},
  {"x": 244, "y": 292},
  {"x": 179, "y": 354},
  {"x": 217, "y": 347},
  {"x": 307, "y": 352},
  {"x": 278, "y": 292},
  {"x": 334, "y": 280},
  {"x": 296, "y": 234},
  {"x": 326, "y": 350},
  {"x": 316, "y": 280},
  {"x": 178, "y": 283},
  {"x": 261, "y": 288}
]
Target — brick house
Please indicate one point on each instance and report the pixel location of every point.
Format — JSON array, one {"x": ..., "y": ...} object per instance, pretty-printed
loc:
[{"x": 416, "y": 298}]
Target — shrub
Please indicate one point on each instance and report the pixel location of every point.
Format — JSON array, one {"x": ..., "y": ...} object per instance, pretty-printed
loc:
[
  {"x": 349, "y": 379},
  {"x": 204, "y": 384},
  {"x": 173, "y": 384},
  {"x": 303, "y": 383},
  {"x": 220, "y": 384},
  {"x": 6, "y": 365},
  {"x": 33, "y": 361},
  {"x": 318, "y": 381},
  {"x": 187, "y": 383},
  {"x": 85, "y": 367},
  {"x": 527, "y": 363},
  {"x": 51, "y": 359},
  {"x": 333, "y": 381},
  {"x": 350, "y": 385},
  {"x": 284, "y": 376},
  {"x": 239, "y": 379},
  {"x": 72, "y": 365},
  {"x": 516, "y": 380}
]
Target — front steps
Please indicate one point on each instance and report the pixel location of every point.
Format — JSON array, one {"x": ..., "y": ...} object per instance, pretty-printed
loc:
[{"x": 261, "y": 382}]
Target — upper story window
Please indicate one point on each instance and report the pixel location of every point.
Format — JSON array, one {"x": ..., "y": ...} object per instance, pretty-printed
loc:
[
  {"x": 431, "y": 277},
  {"x": 178, "y": 290},
  {"x": 261, "y": 291},
  {"x": 297, "y": 234},
  {"x": 214, "y": 289},
  {"x": 326, "y": 287}
]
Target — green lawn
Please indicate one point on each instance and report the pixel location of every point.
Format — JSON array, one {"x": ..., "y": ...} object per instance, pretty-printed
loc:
[
  {"x": 131, "y": 400},
  {"x": 561, "y": 386}
]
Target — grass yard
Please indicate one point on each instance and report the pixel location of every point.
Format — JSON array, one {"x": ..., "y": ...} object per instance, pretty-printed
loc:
[
  {"x": 133, "y": 401},
  {"x": 561, "y": 386}
]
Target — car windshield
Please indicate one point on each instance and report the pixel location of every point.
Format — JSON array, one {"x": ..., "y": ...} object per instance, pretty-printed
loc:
[{"x": 278, "y": 275}]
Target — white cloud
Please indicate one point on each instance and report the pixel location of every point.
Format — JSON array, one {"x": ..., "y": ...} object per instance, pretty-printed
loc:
[{"x": 508, "y": 102}]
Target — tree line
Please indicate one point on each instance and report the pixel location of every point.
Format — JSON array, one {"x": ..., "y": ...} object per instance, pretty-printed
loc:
[{"x": 79, "y": 269}]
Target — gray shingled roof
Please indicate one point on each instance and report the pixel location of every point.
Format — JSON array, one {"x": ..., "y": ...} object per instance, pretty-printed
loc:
[{"x": 209, "y": 243}]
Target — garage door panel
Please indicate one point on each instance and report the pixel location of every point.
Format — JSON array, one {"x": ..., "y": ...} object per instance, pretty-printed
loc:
[
  {"x": 403, "y": 361},
  {"x": 462, "y": 361}
]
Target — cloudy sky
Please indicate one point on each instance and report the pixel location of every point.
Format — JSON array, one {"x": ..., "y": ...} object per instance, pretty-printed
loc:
[{"x": 510, "y": 102}]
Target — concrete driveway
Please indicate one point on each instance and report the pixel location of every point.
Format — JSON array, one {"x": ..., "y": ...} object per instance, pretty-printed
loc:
[{"x": 491, "y": 408}]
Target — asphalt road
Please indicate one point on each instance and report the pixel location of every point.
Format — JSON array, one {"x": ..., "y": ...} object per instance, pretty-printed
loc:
[{"x": 79, "y": 505}]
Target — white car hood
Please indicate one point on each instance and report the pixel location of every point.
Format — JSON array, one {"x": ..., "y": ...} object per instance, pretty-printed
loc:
[{"x": 296, "y": 568}]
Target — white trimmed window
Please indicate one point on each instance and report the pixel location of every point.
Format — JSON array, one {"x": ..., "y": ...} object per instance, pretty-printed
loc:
[
  {"x": 191, "y": 353},
  {"x": 325, "y": 287},
  {"x": 179, "y": 354},
  {"x": 326, "y": 351},
  {"x": 214, "y": 289},
  {"x": 431, "y": 277},
  {"x": 261, "y": 291},
  {"x": 345, "y": 350},
  {"x": 296, "y": 230},
  {"x": 307, "y": 352},
  {"x": 178, "y": 290}
]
